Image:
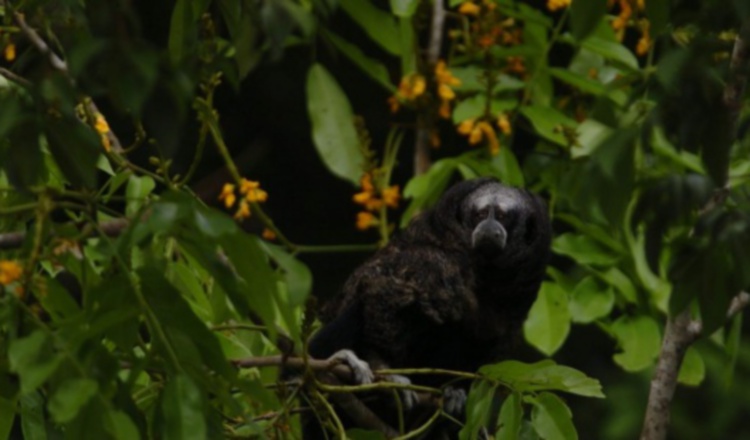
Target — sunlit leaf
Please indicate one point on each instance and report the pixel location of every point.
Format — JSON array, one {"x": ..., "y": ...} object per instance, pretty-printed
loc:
[
  {"x": 692, "y": 370},
  {"x": 552, "y": 418},
  {"x": 640, "y": 340},
  {"x": 183, "y": 409},
  {"x": 590, "y": 301},
  {"x": 548, "y": 323},
  {"x": 333, "y": 128},
  {"x": 377, "y": 24},
  {"x": 511, "y": 416}
]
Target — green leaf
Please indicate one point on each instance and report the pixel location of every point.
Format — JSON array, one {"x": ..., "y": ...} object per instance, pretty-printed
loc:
[
  {"x": 258, "y": 282},
  {"x": 379, "y": 25},
  {"x": 544, "y": 375},
  {"x": 692, "y": 370},
  {"x": 69, "y": 397},
  {"x": 408, "y": 41},
  {"x": 658, "y": 16},
  {"x": 508, "y": 169},
  {"x": 475, "y": 106},
  {"x": 137, "y": 192},
  {"x": 296, "y": 274},
  {"x": 511, "y": 416},
  {"x": 120, "y": 426},
  {"x": 583, "y": 249},
  {"x": 589, "y": 301},
  {"x": 183, "y": 409},
  {"x": 33, "y": 425},
  {"x": 615, "y": 278},
  {"x": 426, "y": 189},
  {"x": 612, "y": 50},
  {"x": 548, "y": 323},
  {"x": 333, "y": 128},
  {"x": 33, "y": 359},
  {"x": 404, "y": 8},
  {"x": 478, "y": 404},
  {"x": 549, "y": 123},
  {"x": 76, "y": 149},
  {"x": 371, "y": 67},
  {"x": 640, "y": 341},
  {"x": 181, "y": 30},
  {"x": 181, "y": 326},
  {"x": 552, "y": 419},
  {"x": 585, "y": 16},
  {"x": 7, "y": 415}
]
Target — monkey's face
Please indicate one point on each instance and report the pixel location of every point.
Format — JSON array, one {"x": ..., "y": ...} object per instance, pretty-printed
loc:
[{"x": 491, "y": 214}]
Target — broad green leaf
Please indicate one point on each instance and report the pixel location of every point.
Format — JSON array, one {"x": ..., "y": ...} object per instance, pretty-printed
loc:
[
  {"x": 583, "y": 249},
  {"x": 379, "y": 25},
  {"x": 137, "y": 192},
  {"x": 408, "y": 42},
  {"x": 589, "y": 85},
  {"x": 552, "y": 419},
  {"x": 258, "y": 282},
  {"x": 76, "y": 149},
  {"x": 7, "y": 415},
  {"x": 33, "y": 358},
  {"x": 333, "y": 128},
  {"x": 548, "y": 323},
  {"x": 69, "y": 397},
  {"x": 611, "y": 50},
  {"x": 181, "y": 30},
  {"x": 33, "y": 425},
  {"x": 120, "y": 426},
  {"x": 640, "y": 340},
  {"x": 585, "y": 16},
  {"x": 371, "y": 67},
  {"x": 621, "y": 282},
  {"x": 426, "y": 189},
  {"x": 404, "y": 8},
  {"x": 478, "y": 404},
  {"x": 508, "y": 169},
  {"x": 180, "y": 325},
  {"x": 296, "y": 274},
  {"x": 544, "y": 375},
  {"x": 692, "y": 370},
  {"x": 590, "y": 301},
  {"x": 511, "y": 416},
  {"x": 475, "y": 106},
  {"x": 183, "y": 409},
  {"x": 549, "y": 123}
]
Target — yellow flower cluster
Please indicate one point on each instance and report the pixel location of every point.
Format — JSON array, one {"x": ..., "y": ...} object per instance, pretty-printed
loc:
[
  {"x": 625, "y": 17},
  {"x": 370, "y": 200},
  {"x": 102, "y": 127},
  {"x": 483, "y": 130},
  {"x": 445, "y": 81},
  {"x": 9, "y": 52},
  {"x": 411, "y": 87},
  {"x": 554, "y": 5},
  {"x": 10, "y": 271},
  {"x": 250, "y": 192}
]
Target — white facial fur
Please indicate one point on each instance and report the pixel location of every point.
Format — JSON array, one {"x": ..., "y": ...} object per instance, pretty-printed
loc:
[{"x": 507, "y": 199}]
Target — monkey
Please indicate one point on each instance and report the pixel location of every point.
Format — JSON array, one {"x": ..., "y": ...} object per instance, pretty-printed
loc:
[{"x": 450, "y": 291}]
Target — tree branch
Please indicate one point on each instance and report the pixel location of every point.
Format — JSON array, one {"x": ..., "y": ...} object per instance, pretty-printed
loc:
[
  {"x": 422, "y": 161},
  {"x": 61, "y": 66},
  {"x": 681, "y": 331}
]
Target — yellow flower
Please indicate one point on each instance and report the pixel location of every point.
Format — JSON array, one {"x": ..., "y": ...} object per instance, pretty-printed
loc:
[
  {"x": 446, "y": 93},
  {"x": 391, "y": 196},
  {"x": 10, "y": 271},
  {"x": 469, "y": 8},
  {"x": 243, "y": 211},
  {"x": 366, "y": 183},
  {"x": 491, "y": 136},
  {"x": 466, "y": 126},
  {"x": 444, "y": 76},
  {"x": 644, "y": 43},
  {"x": 411, "y": 86},
  {"x": 365, "y": 220},
  {"x": 445, "y": 109},
  {"x": 554, "y": 5},
  {"x": 251, "y": 190},
  {"x": 362, "y": 197},
  {"x": 393, "y": 104},
  {"x": 227, "y": 195},
  {"x": 475, "y": 136},
  {"x": 101, "y": 124},
  {"x": 268, "y": 234},
  {"x": 10, "y": 52},
  {"x": 504, "y": 124}
]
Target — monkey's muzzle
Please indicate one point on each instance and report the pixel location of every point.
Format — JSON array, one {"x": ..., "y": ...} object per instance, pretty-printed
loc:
[{"x": 489, "y": 237}]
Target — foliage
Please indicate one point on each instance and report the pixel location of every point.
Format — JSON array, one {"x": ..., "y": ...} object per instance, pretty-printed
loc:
[{"x": 129, "y": 296}]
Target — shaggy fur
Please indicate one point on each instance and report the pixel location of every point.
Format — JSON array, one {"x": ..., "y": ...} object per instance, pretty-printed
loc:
[{"x": 428, "y": 299}]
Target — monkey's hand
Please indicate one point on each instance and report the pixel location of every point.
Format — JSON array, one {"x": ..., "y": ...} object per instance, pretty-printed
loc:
[
  {"x": 361, "y": 371},
  {"x": 454, "y": 401},
  {"x": 408, "y": 398}
]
